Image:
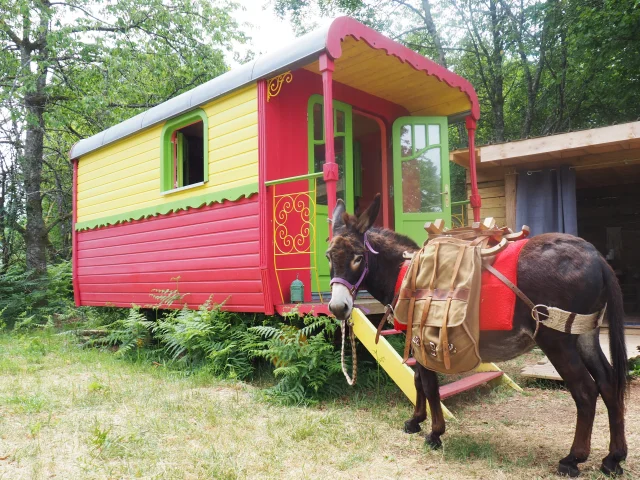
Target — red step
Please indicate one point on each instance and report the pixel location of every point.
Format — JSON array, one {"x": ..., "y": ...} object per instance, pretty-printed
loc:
[
  {"x": 467, "y": 383},
  {"x": 386, "y": 333},
  {"x": 411, "y": 362}
]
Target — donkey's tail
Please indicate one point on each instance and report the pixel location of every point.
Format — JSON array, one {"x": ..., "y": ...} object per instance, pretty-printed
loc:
[{"x": 615, "y": 315}]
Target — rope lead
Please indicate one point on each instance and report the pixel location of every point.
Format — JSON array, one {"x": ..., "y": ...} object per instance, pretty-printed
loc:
[{"x": 351, "y": 381}]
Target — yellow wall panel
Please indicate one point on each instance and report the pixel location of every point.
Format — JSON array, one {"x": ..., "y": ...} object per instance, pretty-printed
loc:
[
  {"x": 232, "y": 125},
  {"x": 140, "y": 171},
  {"x": 125, "y": 176},
  {"x": 233, "y": 150},
  {"x": 233, "y": 138}
]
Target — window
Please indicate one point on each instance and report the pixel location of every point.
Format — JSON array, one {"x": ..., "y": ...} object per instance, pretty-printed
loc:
[{"x": 184, "y": 151}]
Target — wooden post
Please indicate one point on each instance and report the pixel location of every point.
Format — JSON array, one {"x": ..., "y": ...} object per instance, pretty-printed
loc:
[
  {"x": 330, "y": 167},
  {"x": 510, "y": 192},
  {"x": 474, "y": 199}
]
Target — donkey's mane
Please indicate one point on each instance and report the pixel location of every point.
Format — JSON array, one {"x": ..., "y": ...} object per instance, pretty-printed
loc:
[{"x": 395, "y": 239}]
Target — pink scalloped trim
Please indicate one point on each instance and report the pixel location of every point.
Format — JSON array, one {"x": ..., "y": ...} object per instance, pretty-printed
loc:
[{"x": 343, "y": 27}]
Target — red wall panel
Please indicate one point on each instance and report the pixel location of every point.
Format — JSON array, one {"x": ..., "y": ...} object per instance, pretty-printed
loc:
[
  {"x": 213, "y": 250},
  {"x": 287, "y": 154}
]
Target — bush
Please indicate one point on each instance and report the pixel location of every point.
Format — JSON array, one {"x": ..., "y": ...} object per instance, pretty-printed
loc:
[
  {"x": 307, "y": 365},
  {"x": 27, "y": 300},
  {"x": 209, "y": 337}
]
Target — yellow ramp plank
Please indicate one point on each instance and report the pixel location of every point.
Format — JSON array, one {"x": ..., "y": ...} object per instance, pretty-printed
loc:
[
  {"x": 504, "y": 379},
  {"x": 384, "y": 354}
]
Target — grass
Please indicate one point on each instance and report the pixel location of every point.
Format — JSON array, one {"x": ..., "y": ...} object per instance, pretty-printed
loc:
[{"x": 87, "y": 414}]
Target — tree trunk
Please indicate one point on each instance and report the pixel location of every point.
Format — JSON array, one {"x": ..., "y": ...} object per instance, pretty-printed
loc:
[
  {"x": 35, "y": 233},
  {"x": 433, "y": 31},
  {"x": 497, "y": 103},
  {"x": 3, "y": 230}
]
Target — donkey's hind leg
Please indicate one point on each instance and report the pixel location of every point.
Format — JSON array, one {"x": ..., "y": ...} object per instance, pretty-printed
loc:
[
  {"x": 420, "y": 411},
  {"x": 602, "y": 372},
  {"x": 562, "y": 351}
]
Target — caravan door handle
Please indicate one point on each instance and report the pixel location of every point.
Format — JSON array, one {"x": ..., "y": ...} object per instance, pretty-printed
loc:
[{"x": 446, "y": 195}]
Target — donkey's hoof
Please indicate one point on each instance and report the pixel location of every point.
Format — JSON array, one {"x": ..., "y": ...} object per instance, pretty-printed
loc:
[
  {"x": 411, "y": 427},
  {"x": 568, "y": 470},
  {"x": 611, "y": 468},
  {"x": 433, "y": 442}
]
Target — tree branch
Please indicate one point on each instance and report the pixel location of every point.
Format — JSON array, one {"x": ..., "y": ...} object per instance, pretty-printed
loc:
[
  {"x": 57, "y": 221},
  {"x": 11, "y": 34}
]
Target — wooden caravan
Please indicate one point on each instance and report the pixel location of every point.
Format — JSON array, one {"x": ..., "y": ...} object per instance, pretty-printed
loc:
[{"x": 225, "y": 190}]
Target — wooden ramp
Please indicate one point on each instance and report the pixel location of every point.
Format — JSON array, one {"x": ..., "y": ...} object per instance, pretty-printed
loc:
[
  {"x": 402, "y": 374},
  {"x": 544, "y": 369}
]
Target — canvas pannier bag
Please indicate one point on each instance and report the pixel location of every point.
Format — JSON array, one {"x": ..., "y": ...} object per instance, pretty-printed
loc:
[{"x": 439, "y": 301}]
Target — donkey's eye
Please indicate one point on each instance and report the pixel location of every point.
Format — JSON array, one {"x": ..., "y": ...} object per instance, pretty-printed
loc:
[{"x": 355, "y": 263}]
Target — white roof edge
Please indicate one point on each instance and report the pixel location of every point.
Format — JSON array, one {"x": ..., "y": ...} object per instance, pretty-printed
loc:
[{"x": 562, "y": 141}]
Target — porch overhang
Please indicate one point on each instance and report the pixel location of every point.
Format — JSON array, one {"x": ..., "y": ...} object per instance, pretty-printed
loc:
[{"x": 368, "y": 61}]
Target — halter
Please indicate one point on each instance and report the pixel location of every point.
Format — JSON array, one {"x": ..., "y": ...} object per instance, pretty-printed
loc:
[{"x": 353, "y": 289}]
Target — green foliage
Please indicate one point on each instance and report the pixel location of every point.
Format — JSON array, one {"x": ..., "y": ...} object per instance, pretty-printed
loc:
[
  {"x": 28, "y": 300},
  {"x": 307, "y": 365},
  {"x": 131, "y": 333},
  {"x": 634, "y": 368},
  {"x": 208, "y": 336}
]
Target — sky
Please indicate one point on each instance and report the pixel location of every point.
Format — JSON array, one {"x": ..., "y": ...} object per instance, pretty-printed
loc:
[{"x": 267, "y": 31}]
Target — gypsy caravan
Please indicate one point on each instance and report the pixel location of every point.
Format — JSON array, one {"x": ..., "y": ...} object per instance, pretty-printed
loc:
[{"x": 223, "y": 191}]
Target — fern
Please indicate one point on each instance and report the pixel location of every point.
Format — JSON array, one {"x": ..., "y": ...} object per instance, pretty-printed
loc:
[
  {"x": 307, "y": 363},
  {"x": 129, "y": 333},
  {"x": 208, "y": 337}
]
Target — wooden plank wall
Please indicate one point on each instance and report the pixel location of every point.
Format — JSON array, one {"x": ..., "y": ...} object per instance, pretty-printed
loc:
[
  {"x": 493, "y": 200},
  {"x": 212, "y": 250},
  {"x": 125, "y": 176}
]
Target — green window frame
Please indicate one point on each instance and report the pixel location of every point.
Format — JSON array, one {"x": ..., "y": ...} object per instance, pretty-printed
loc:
[{"x": 167, "y": 166}]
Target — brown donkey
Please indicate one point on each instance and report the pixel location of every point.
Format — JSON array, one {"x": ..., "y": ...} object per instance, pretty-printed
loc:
[{"x": 553, "y": 269}]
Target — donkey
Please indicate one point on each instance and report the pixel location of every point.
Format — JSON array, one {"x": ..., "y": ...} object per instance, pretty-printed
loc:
[{"x": 555, "y": 269}]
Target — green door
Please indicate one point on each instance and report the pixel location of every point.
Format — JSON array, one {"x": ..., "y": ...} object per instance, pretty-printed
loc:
[
  {"x": 420, "y": 174},
  {"x": 343, "y": 144}
]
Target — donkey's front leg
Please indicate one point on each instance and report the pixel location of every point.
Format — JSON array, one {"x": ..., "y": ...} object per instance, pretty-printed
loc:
[
  {"x": 431, "y": 390},
  {"x": 420, "y": 411}
]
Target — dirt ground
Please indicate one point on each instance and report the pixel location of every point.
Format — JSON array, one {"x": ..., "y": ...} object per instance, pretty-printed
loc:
[{"x": 68, "y": 413}]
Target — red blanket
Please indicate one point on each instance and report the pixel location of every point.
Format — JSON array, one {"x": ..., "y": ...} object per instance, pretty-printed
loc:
[{"x": 497, "y": 301}]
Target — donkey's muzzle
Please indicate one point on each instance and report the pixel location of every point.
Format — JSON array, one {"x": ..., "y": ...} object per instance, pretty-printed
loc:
[{"x": 339, "y": 309}]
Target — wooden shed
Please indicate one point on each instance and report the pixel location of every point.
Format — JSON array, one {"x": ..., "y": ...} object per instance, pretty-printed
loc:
[
  {"x": 224, "y": 191},
  {"x": 605, "y": 168}
]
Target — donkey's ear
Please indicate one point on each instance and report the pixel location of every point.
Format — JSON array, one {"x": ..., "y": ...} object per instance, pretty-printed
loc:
[
  {"x": 337, "y": 219},
  {"x": 368, "y": 217}
]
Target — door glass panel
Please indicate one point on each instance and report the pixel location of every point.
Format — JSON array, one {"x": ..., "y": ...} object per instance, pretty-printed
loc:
[
  {"x": 318, "y": 122},
  {"x": 421, "y": 183},
  {"x": 405, "y": 141},
  {"x": 434, "y": 135},
  {"x": 410, "y": 186},
  {"x": 420, "y": 136},
  {"x": 339, "y": 121},
  {"x": 318, "y": 161}
]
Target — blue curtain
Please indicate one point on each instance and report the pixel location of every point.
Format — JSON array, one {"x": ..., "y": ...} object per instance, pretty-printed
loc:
[{"x": 546, "y": 200}]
